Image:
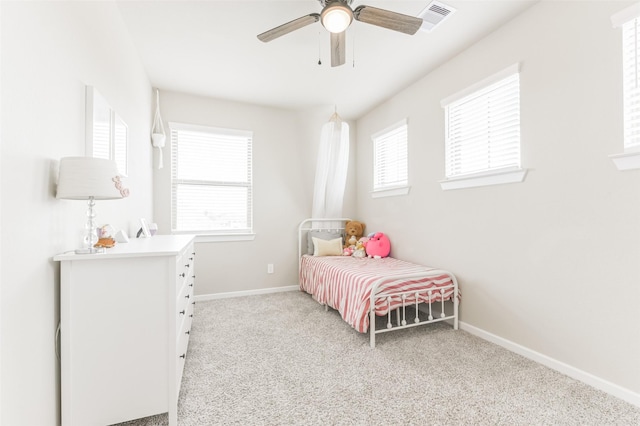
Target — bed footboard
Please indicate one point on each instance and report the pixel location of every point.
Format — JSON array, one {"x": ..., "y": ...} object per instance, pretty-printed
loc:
[{"x": 418, "y": 297}]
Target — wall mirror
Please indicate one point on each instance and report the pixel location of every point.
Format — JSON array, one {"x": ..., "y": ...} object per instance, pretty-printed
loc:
[{"x": 106, "y": 134}]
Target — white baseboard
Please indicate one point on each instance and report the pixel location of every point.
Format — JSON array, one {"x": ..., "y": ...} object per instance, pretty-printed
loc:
[
  {"x": 575, "y": 373},
  {"x": 215, "y": 296}
]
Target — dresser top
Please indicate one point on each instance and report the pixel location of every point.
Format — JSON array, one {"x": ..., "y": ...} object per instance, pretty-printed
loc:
[{"x": 158, "y": 245}]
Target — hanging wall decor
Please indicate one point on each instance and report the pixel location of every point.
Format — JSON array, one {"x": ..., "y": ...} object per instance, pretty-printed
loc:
[
  {"x": 106, "y": 133},
  {"x": 158, "y": 135}
]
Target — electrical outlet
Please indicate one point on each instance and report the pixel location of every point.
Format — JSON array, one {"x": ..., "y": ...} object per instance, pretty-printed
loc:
[{"x": 270, "y": 268}]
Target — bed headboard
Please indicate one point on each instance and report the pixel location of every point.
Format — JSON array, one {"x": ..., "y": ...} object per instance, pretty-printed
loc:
[{"x": 332, "y": 225}]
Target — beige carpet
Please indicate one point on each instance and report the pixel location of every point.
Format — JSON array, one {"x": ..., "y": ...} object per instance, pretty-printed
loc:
[{"x": 280, "y": 359}]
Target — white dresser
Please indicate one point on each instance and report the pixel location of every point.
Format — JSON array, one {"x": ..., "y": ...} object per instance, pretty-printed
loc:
[{"x": 125, "y": 319}]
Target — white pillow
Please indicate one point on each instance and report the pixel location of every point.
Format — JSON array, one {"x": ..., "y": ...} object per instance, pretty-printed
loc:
[
  {"x": 325, "y": 235},
  {"x": 327, "y": 247}
]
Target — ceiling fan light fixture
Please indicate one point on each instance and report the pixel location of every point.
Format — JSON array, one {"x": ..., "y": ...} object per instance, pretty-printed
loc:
[{"x": 336, "y": 17}]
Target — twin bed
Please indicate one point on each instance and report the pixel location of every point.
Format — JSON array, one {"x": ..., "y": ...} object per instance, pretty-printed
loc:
[{"x": 362, "y": 288}]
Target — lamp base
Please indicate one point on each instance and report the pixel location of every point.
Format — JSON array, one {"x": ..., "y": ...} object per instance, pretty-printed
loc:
[
  {"x": 92, "y": 237},
  {"x": 91, "y": 250}
]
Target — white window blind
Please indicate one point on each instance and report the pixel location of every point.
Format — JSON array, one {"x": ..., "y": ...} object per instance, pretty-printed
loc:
[
  {"x": 631, "y": 82},
  {"x": 483, "y": 126},
  {"x": 211, "y": 179},
  {"x": 390, "y": 169}
]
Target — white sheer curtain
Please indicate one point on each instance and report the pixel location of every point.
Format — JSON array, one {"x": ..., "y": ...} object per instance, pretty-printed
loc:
[{"x": 331, "y": 169}]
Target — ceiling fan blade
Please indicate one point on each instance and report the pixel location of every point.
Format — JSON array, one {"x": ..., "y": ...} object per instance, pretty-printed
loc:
[
  {"x": 283, "y": 29},
  {"x": 387, "y": 19},
  {"x": 338, "y": 48}
]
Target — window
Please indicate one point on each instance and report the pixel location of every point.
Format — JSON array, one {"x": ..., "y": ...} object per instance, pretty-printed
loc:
[
  {"x": 390, "y": 170},
  {"x": 482, "y": 143},
  {"x": 211, "y": 182},
  {"x": 631, "y": 84},
  {"x": 628, "y": 20}
]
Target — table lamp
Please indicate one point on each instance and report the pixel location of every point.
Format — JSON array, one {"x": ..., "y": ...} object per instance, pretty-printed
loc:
[{"x": 88, "y": 178}]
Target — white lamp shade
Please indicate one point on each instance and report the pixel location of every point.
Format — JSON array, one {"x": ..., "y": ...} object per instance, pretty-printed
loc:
[{"x": 80, "y": 178}]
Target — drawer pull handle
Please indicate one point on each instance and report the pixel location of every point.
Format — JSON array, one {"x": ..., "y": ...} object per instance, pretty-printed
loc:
[
  {"x": 186, "y": 332},
  {"x": 187, "y": 296},
  {"x": 191, "y": 285},
  {"x": 193, "y": 302},
  {"x": 181, "y": 275},
  {"x": 182, "y": 356},
  {"x": 186, "y": 266},
  {"x": 191, "y": 258},
  {"x": 181, "y": 312},
  {"x": 191, "y": 316}
]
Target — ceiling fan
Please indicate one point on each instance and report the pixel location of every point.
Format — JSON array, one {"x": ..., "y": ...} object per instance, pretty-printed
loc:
[{"x": 337, "y": 15}]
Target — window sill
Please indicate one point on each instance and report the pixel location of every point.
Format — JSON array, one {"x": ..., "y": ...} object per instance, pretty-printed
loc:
[
  {"x": 511, "y": 175},
  {"x": 390, "y": 192},
  {"x": 218, "y": 238},
  {"x": 626, "y": 160}
]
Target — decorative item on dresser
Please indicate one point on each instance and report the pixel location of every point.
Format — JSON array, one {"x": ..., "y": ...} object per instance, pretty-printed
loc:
[
  {"x": 88, "y": 178},
  {"x": 125, "y": 319}
]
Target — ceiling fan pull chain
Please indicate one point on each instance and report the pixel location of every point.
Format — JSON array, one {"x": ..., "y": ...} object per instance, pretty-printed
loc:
[
  {"x": 319, "y": 50},
  {"x": 353, "y": 46}
]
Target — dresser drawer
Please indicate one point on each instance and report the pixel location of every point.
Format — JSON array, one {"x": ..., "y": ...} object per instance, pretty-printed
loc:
[
  {"x": 184, "y": 308},
  {"x": 182, "y": 356},
  {"x": 183, "y": 335},
  {"x": 185, "y": 268},
  {"x": 181, "y": 349}
]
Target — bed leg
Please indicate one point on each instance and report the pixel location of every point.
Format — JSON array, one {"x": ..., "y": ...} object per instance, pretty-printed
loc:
[
  {"x": 372, "y": 329},
  {"x": 326, "y": 307},
  {"x": 455, "y": 309},
  {"x": 398, "y": 316}
]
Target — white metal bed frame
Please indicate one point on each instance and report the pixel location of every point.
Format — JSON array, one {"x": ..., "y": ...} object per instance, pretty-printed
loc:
[{"x": 314, "y": 224}]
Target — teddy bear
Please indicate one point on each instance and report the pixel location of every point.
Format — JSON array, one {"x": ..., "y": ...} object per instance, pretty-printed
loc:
[
  {"x": 106, "y": 242},
  {"x": 353, "y": 230},
  {"x": 359, "y": 251},
  {"x": 347, "y": 251},
  {"x": 378, "y": 245}
]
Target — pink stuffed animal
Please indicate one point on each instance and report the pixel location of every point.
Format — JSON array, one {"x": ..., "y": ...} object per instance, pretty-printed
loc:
[{"x": 378, "y": 245}]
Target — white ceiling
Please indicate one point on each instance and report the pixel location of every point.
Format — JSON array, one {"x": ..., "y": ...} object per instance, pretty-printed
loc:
[{"x": 209, "y": 48}]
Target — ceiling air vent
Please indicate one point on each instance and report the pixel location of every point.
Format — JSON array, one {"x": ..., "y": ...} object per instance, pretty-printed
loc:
[{"x": 434, "y": 14}]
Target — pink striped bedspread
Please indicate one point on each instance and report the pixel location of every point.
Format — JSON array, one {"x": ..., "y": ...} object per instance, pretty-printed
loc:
[{"x": 345, "y": 284}]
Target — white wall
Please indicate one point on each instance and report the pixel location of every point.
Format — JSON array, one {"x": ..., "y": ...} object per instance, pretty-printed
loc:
[
  {"x": 50, "y": 51},
  {"x": 1, "y": 222},
  {"x": 284, "y": 148},
  {"x": 551, "y": 264}
]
